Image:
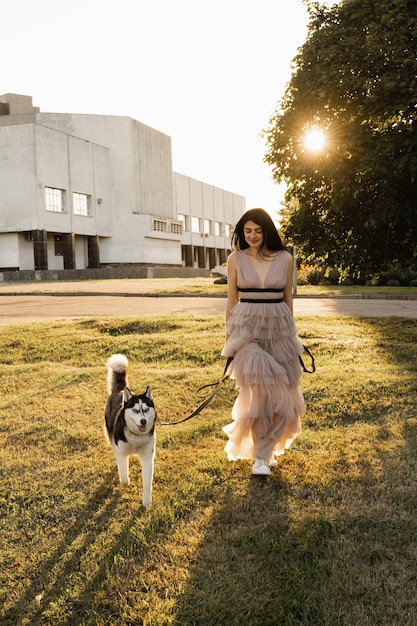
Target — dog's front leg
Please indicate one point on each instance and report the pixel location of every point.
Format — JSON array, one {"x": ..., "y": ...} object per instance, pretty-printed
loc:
[
  {"x": 147, "y": 461},
  {"x": 123, "y": 467}
]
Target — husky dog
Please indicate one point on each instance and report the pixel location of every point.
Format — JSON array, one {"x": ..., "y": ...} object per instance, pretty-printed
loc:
[{"x": 130, "y": 424}]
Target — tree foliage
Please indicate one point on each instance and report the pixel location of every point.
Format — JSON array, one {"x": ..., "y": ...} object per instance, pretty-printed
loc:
[{"x": 354, "y": 203}]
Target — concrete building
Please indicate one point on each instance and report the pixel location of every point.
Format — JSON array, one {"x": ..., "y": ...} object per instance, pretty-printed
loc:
[{"x": 79, "y": 192}]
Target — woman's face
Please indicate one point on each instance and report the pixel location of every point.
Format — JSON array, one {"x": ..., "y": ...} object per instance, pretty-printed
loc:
[{"x": 253, "y": 235}]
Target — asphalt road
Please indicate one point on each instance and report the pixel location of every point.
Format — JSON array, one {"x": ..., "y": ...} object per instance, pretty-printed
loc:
[{"x": 21, "y": 307}]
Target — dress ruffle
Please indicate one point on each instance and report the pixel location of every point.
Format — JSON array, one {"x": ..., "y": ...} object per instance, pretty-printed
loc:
[{"x": 263, "y": 341}]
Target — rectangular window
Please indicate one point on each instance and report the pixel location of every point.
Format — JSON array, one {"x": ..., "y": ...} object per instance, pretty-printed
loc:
[
  {"x": 54, "y": 200},
  {"x": 207, "y": 227},
  {"x": 184, "y": 221},
  {"x": 217, "y": 229},
  {"x": 160, "y": 226},
  {"x": 176, "y": 229},
  {"x": 228, "y": 230},
  {"x": 81, "y": 204},
  {"x": 195, "y": 225}
]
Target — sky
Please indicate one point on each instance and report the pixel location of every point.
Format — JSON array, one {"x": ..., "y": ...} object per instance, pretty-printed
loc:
[{"x": 208, "y": 73}]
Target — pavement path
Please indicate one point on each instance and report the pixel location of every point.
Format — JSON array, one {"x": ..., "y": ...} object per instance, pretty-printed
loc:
[{"x": 23, "y": 302}]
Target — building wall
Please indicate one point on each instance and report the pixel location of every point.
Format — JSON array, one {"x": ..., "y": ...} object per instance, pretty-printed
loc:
[
  {"x": 55, "y": 261},
  {"x": 9, "y": 250},
  {"x": 135, "y": 199},
  {"x": 199, "y": 200},
  {"x": 18, "y": 182},
  {"x": 142, "y": 174},
  {"x": 35, "y": 157},
  {"x": 153, "y": 171},
  {"x": 16, "y": 251},
  {"x": 26, "y": 257},
  {"x": 74, "y": 165},
  {"x": 81, "y": 258},
  {"x": 141, "y": 158},
  {"x": 14, "y": 104}
]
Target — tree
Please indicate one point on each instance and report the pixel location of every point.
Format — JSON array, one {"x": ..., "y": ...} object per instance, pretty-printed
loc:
[{"x": 353, "y": 204}]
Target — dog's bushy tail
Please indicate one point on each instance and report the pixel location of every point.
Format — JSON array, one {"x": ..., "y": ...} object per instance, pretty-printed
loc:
[{"x": 117, "y": 373}]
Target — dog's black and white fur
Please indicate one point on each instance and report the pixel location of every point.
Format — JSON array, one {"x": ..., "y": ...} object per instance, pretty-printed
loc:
[{"x": 130, "y": 424}]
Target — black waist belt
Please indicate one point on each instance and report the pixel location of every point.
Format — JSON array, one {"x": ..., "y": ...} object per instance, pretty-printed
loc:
[
  {"x": 262, "y": 301},
  {"x": 260, "y": 291}
]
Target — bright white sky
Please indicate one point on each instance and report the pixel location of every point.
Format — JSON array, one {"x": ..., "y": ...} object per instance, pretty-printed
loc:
[{"x": 206, "y": 72}]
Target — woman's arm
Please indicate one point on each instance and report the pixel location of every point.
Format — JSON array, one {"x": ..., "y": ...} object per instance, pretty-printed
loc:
[
  {"x": 288, "y": 286},
  {"x": 232, "y": 292}
]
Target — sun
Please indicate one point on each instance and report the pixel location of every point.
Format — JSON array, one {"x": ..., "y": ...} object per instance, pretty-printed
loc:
[{"x": 314, "y": 140}]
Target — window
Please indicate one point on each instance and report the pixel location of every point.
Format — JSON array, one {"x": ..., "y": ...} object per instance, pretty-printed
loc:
[
  {"x": 217, "y": 229},
  {"x": 176, "y": 229},
  {"x": 195, "y": 224},
  {"x": 54, "y": 200},
  {"x": 207, "y": 227},
  {"x": 184, "y": 221},
  {"x": 81, "y": 204},
  {"x": 228, "y": 230},
  {"x": 160, "y": 226}
]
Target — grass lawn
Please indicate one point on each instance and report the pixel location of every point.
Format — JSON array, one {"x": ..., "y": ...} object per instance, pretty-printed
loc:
[
  {"x": 197, "y": 285},
  {"x": 355, "y": 290},
  {"x": 329, "y": 539},
  {"x": 206, "y": 286}
]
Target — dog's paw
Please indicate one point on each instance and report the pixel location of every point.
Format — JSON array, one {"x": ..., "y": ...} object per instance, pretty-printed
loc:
[
  {"x": 125, "y": 483},
  {"x": 146, "y": 502}
]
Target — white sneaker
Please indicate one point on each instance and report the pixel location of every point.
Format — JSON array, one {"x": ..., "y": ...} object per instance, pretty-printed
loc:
[{"x": 260, "y": 468}]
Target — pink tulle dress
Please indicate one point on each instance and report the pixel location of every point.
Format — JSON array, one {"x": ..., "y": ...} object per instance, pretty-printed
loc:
[{"x": 262, "y": 339}]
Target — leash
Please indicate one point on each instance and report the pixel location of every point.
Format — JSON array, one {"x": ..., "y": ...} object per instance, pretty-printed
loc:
[
  {"x": 207, "y": 400},
  {"x": 218, "y": 384},
  {"x": 313, "y": 365}
]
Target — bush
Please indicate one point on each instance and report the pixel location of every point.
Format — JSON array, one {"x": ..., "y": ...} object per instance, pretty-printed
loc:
[
  {"x": 332, "y": 276},
  {"x": 221, "y": 281},
  {"x": 403, "y": 276},
  {"x": 375, "y": 280},
  {"x": 315, "y": 277},
  {"x": 393, "y": 283},
  {"x": 302, "y": 273},
  {"x": 413, "y": 283}
]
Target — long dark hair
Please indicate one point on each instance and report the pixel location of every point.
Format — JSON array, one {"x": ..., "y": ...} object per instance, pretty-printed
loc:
[{"x": 271, "y": 240}]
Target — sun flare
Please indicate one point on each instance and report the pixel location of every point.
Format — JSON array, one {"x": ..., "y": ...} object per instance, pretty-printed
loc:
[{"x": 314, "y": 140}]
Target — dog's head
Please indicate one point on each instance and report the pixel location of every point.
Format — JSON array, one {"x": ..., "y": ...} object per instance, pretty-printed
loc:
[{"x": 139, "y": 411}]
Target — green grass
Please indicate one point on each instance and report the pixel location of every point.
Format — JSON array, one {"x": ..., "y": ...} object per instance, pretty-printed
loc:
[
  {"x": 355, "y": 290},
  {"x": 328, "y": 539},
  {"x": 204, "y": 286}
]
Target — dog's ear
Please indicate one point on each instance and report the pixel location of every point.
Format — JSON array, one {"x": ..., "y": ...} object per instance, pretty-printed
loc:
[
  {"x": 148, "y": 393},
  {"x": 126, "y": 394}
]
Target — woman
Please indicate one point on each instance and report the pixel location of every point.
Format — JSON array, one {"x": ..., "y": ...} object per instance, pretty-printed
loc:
[{"x": 261, "y": 336}]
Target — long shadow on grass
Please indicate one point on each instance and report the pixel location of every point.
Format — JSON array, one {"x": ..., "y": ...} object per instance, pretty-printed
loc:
[
  {"x": 51, "y": 578},
  {"x": 255, "y": 562},
  {"x": 336, "y": 546},
  {"x": 377, "y": 363},
  {"x": 311, "y": 555},
  {"x": 396, "y": 338},
  {"x": 394, "y": 350}
]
